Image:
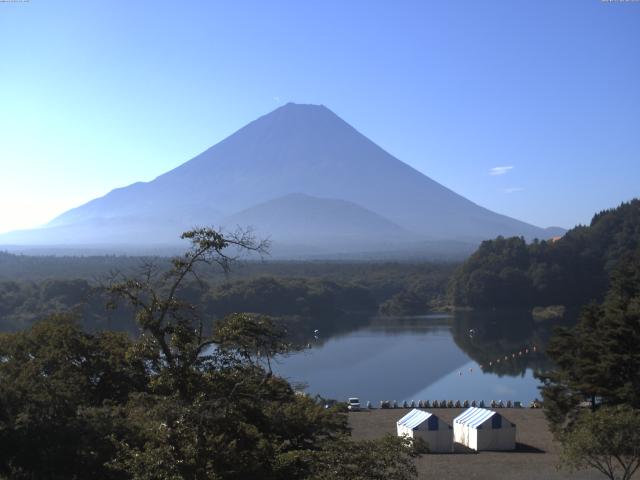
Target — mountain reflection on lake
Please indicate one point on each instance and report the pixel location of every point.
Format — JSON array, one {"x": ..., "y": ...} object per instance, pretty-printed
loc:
[{"x": 461, "y": 356}]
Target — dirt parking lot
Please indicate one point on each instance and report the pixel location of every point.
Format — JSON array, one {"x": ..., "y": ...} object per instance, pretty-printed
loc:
[{"x": 536, "y": 456}]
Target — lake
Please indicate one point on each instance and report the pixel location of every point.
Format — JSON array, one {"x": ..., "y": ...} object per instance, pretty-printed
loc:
[{"x": 463, "y": 356}]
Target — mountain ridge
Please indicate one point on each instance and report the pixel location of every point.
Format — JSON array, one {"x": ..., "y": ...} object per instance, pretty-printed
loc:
[{"x": 305, "y": 149}]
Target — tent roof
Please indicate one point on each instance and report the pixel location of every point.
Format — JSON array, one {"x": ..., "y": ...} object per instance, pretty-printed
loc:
[
  {"x": 474, "y": 417},
  {"x": 414, "y": 418}
]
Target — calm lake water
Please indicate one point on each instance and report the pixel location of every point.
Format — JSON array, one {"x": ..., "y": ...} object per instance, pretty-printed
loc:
[{"x": 431, "y": 357}]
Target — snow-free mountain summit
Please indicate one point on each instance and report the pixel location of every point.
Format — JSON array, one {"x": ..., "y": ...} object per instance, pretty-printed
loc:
[{"x": 300, "y": 175}]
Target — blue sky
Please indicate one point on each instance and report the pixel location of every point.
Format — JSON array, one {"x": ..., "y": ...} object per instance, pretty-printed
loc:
[{"x": 530, "y": 108}]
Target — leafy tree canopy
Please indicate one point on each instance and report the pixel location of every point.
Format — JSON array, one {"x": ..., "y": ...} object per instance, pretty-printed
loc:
[
  {"x": 598, "y": 360},
  {"x": 572, "y": 270},
  {"x": 607, "y": 440}
]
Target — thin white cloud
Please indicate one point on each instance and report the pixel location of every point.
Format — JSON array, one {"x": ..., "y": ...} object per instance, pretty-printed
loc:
[
  {"x": 513, "y": 189},
  {"x": 500, "y": 170}
]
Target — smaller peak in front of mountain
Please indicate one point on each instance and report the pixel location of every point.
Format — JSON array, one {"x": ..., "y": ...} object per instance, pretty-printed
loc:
[{"x": 306, "y": 216}]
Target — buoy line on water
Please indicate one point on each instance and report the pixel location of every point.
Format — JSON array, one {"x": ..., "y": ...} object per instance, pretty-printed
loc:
[{"x": 514, "y": 355}]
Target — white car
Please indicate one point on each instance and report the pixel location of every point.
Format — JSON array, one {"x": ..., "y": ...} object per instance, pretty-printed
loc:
[{"x": 353, "y": 404}]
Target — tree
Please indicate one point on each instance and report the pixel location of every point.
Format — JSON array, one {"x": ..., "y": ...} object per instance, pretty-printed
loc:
[
  {"x": 51, "y": 377},
  {"x": 390, "y": 458},
  {"x": 607, "y": 440},
  {"x": 598, "y": 360},
  {"x": 214, "y": 408},
  {"x": 173, "y": 334},
  {"x": 571, "y": 271}
]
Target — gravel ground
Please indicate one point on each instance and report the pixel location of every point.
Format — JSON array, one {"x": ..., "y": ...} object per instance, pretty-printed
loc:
[{"x": 535, "y": 457}]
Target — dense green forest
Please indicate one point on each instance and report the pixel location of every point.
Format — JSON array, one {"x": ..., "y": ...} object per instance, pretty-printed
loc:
[
  {"x": 379, "y": 275},
  {"x": 42, "y": 267},
  {"x": 572, "y": 271},
  {"x": 23, "y": 303},
  {"x": 293, "y": 292}
]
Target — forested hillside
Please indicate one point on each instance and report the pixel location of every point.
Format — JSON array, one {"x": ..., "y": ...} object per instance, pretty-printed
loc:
[{"x": 572, "y": 270}]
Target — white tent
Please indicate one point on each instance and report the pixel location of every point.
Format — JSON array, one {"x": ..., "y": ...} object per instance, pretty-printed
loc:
[
  {"x": 481, "y": 429},
  {"x": 425, "y": 425}
]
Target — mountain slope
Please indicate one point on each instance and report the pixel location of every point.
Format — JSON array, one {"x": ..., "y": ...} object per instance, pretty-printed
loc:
[
  {"x": 296, "y": 148},
  {"x": 299, "y": 219}
]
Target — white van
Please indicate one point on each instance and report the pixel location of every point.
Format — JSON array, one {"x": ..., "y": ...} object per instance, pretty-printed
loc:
[{"x": 353, "y": 404}]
